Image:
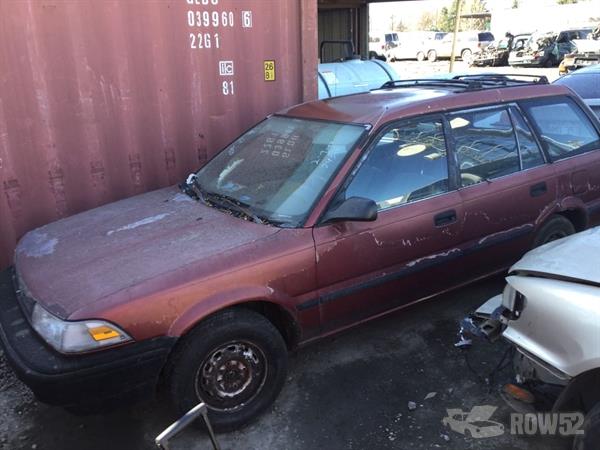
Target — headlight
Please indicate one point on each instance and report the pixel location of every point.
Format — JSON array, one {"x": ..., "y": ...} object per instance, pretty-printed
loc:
[{"x": 75, "y": 337}]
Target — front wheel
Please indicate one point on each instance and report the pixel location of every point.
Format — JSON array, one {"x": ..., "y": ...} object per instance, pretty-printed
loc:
[
  {"x": 431, "y": 55},
  {"x": 235, "y": 361},
  {"x": 420, "y": 56},
  {"x": 557, "y": 227}
]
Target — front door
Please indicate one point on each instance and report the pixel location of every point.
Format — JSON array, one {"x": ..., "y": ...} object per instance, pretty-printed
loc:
[{"x": 367, "y": 268}]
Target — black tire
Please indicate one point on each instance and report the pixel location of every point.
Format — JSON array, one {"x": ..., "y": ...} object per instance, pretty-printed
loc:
[
  {"x": 466, "y": 55},
  {"x": 549, "y": 62},
  {"x": 556, "y": 227},
  {"x": 431, "y": 55},
  {"x": 374, "y": 55},
  {"x": 420, "y": 56},
  {"x": 234, "y": 344},
  {"x": 590, "y": 439}
]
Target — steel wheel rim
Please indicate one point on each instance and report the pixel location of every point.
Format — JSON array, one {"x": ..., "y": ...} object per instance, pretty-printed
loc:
[{"x": 231, "y": 375}]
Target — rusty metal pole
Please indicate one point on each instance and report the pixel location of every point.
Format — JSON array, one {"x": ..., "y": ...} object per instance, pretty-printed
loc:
[
  {"x": 456, "y": 22},
  {"x": 310, "y": 45}
]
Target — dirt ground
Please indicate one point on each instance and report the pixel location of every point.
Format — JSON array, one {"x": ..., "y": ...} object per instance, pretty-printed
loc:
[{"x": 347, "y": 392}]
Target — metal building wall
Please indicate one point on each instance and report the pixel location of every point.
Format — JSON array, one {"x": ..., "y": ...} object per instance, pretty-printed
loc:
[
  {"x": 343, "y": 23},
  {"x": 103, "y": 99}
]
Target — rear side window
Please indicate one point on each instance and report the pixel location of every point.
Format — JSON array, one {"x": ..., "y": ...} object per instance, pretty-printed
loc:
[
  {"x": 486, "y": 147},
  {"x": 564, "y": 128},
  {"x": 408, "y": 163},
  {"x": 486, "y": 37},
  {"x": 531, "y": 155}
]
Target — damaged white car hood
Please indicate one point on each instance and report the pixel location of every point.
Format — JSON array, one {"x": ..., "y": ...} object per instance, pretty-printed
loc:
[{"x": 575, "y": 257}]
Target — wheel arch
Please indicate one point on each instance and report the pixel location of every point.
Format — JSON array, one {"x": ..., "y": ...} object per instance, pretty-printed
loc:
[
  {"x": 577, "y": 216},
  {"x": 570, "y": 208},
  {"x": 279, "y": 316},
  {"x": 581, "y": 394}
]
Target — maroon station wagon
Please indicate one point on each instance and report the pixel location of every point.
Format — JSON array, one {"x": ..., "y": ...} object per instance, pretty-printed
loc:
[{"x": 320, "y": 217}]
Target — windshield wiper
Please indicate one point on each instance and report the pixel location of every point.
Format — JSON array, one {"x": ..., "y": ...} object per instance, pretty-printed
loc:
[
  {"x": 194, "y": 189},
  {"x": 238, "y": 205}
]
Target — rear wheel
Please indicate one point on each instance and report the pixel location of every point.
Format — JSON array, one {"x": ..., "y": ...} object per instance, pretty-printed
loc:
[
  {"x": 235, "y": 361},
  {"x": 590, "y": 439},
  {"x": 431, "y": 55},
  {"x": 466, "y": 55},
  {"x": 557, "y": 227},
  {"x": 420, "y": 56}
]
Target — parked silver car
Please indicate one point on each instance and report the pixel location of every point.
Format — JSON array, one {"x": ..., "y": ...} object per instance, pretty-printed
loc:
[
  {"x": 586, "y": 83},
  {"x": 550, "y": 312}
]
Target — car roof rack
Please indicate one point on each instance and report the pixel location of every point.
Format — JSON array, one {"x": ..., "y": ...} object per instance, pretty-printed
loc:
[
  {"x": 507, "y": 79},
  {"x": 471, "y": 82}
]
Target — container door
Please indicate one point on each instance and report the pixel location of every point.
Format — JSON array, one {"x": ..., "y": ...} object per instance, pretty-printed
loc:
[
  {"x": 366, "y": 268},
  {"x": 505, "y": 185}
]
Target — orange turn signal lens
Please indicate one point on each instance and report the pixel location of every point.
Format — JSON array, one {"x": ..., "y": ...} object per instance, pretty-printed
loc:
[
  {"x": 102, "y": 333},
  {"x": 518, "y": 393}
]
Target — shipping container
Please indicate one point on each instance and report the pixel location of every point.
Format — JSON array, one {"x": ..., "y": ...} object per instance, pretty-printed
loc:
[{"x": 100, "y": 100}]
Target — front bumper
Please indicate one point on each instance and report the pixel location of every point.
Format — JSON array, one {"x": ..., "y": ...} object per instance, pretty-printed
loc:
[{"x": 103, "y": 377}]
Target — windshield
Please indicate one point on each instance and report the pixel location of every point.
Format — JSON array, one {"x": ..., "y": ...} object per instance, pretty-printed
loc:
[
  {"x": 279, "y": 168},
  {"x": 502, "y": 45}
]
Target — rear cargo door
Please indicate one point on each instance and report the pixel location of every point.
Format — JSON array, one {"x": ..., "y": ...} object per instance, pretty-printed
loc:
[{"x": 366, "y": 268}]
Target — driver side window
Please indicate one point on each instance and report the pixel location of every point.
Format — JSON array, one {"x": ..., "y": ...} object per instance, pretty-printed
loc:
[{"x": 408, "y": 163}]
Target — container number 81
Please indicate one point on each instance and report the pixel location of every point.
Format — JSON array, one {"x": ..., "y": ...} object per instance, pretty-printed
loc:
[{"x": 228, "y": 88}]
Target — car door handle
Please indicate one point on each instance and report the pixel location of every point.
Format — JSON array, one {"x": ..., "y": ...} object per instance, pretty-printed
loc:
[
  {"x": 445, "y": 218},
  {"x": 538, "y": 189}
]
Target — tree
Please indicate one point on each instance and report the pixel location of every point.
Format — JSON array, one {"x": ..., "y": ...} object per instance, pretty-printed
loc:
[
  {"x": 515, "y": 4},
  {"x": 476, "y": 6},
  {"x": 566, "y": 2},
  {"x": 399, "y": 26},
  {"x": 428, "y": 22},
  {"x": 447, "y": 16}
]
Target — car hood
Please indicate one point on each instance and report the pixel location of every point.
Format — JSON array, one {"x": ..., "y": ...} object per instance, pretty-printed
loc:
[
  {"x": 573, "y": 257},
  {"x": 76, "y": 261}
]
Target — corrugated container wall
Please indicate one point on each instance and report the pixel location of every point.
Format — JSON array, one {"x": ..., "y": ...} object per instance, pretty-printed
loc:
[{"x": 100, "y": 100}]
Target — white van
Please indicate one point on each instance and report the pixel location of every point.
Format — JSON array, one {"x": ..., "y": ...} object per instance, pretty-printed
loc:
[
  {"x": 467, "y": 43},
  {"x": 381, "y": 42},
  {"x": 412, "y": 45}
]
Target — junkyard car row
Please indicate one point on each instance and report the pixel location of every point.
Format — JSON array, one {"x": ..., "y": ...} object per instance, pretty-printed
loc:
[{"x": 571, "y": 48}]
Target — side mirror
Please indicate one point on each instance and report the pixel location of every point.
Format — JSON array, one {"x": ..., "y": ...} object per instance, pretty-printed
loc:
[{"x": 357, "y": 209}]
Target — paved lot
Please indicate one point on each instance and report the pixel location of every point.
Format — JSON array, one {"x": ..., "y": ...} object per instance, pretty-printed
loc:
[
  {"x": 347, "y": 392},
  {"x": 415, "y": 69}
]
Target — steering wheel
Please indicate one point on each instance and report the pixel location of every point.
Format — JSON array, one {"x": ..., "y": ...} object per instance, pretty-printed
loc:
[{"x": 467, "y": 179}]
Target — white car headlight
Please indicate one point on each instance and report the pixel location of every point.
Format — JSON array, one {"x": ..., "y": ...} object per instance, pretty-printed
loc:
[{"x": 75, "y": 337}]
